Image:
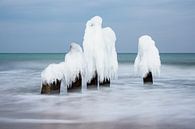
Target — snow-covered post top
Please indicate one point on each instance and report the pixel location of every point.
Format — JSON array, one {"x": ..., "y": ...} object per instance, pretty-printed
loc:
[
  {"x": 94, "y": 22},
  {"x": 99, "y": 50},
  {"x": 148, "y": 59},
  {"x": 75, "y": 64},
  {"x": 53, "y": 73}
]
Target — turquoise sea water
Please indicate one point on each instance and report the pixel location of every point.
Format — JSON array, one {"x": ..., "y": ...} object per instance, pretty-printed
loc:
[
  {"x": 166, "y": 58},
  {"x": 169, "y": 103}
]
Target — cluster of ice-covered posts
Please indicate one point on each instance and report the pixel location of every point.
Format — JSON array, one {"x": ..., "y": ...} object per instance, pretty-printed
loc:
[{"x": 96, "y": 65}]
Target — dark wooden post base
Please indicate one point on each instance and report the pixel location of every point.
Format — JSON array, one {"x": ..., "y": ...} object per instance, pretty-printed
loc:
[
  {"x": 93, "y": 84},
  {"x": 148, "y": 79},
  {"x": 76, "y": 86},
  {"x": 53, "y": 88},
  {"x": 105, "y": 83}
]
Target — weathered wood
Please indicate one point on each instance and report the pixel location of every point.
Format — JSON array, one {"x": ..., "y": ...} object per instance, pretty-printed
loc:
[
  {"x": 148, "y": 79},
  {"x": 105, "y": 83},
  {"x": 76, "y": 85},
  {"x": 53, "y": 88},
  {"x": 94, "y": 82}
]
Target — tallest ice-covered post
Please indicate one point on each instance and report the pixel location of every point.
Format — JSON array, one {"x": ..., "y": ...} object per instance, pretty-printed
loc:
[{"x": 100, "y": 52}]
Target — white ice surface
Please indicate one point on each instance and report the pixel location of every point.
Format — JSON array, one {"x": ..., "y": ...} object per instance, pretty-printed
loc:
[{"x": 148, "y": 58}]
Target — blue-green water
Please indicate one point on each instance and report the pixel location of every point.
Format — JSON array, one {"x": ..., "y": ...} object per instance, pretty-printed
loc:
[
  {"x": 166, "y": 58},
  {"x": 169, "y": 103}
]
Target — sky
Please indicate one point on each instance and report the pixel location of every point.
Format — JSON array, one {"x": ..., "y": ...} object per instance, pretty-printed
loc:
[{"x": 49, "y": 26}]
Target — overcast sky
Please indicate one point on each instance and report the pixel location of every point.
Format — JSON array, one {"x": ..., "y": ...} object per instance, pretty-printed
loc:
[{"x": 51, "y": 25}]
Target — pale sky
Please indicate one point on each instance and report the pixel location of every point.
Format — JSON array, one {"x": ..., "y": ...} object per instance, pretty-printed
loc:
[{"x": 51, "y": 25}]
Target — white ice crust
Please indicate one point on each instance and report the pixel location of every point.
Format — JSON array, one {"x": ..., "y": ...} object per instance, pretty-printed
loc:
[
  {"x": 75, "y": 64},
  {"x": 99, "y": 50},
  {"x": 99, "y": 55},
  {"x": 68, "y": 70},
  {"x": 148, "y": 58},
  {"x": 53, "y": 72}
]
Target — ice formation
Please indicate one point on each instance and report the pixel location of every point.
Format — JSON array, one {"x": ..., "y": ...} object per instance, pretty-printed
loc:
[
  {"x": 53, "y": 72},
  {"x": 148, "y": 58},
  {"x": 68, "y": 70},
  {"x": 111, "y": 61},
  {"x": 99, "y": 55},
  {"x": 99, "y": 50},
  {"x": 75, "y": 64}
]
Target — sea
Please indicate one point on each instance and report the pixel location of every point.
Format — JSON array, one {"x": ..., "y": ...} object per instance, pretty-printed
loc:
[{"x": 127, "y": 104}]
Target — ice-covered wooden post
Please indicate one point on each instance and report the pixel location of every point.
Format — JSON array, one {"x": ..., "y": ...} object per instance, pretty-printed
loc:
[
  {"x": 51, "y": 78},
  {"x": 70, "y": 72},
  {"x": 75, "y": 68},
  {"x": 147, "y": 63},
  {"x": 110, "y": 57},
  {"x": 92, "y": 42},
  {"x": 100, "y": 53}
]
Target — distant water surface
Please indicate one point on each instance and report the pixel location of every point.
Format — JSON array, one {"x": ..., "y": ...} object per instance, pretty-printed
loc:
[
  {"x": 167, "y": 58},
  {"x": 169, "y": 103}
]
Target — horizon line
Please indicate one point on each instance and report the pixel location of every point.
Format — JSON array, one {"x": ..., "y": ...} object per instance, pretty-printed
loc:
[{"x": 66, "y": 52}]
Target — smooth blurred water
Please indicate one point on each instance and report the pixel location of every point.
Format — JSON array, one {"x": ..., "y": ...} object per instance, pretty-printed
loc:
[{"x": 169, "y": 103}]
